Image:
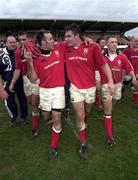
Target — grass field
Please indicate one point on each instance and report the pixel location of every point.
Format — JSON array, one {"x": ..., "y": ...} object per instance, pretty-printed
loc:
[{"x": 23, "y": 159}]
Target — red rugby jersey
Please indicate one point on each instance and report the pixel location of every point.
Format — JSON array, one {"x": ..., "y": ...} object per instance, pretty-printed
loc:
[
  {"x": 117, "y": 66},
  {"x": 20, "y": 61},
  {"x": 81, "y": 63},
  {"x": 50, "y": 68},
  {"x": 132, "y": 57}
]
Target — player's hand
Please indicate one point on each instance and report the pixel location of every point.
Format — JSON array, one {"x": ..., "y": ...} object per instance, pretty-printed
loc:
[
  {"x": 135, "y": 82},
  {"x": 112, "y": 88},
  {"x": 3, "y": 95},
  {"x": 88, "y": 41},
  {"x": 11, "y": 87},
  {"x": 31, "y": 47},
  {"x": 28, "y": 57}
]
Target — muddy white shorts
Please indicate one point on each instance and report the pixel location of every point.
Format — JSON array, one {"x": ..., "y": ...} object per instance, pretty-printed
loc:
[
  {"x": 52, "y": 98},
  {"x": 79, "y": 95},
  {"x": 30, "y": 88},
  {"x": 106, "y": 93}
]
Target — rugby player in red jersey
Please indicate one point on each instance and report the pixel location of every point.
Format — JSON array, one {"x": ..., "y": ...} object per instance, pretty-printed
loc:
[
  {"x": 31, "y": 89},
  {"x": 132, "y": 54},
  {"x": 80, "y": 64},
  {"x": 49, "y": 69},
  {"x": 117, "y": 63}
]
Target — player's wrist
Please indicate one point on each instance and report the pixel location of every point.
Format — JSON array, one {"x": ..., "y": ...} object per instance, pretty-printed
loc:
[
  {"x": 13, "y": 81},
  {"x": 111, "y": 82}
]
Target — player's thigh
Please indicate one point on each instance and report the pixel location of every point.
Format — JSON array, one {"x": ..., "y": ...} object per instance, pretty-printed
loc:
[
  {"x": 58, "y": 98},
  {"x": 45, "y": 99},
  {"x": 90, "y": 95},
  {"x": 118, "y": 91}
]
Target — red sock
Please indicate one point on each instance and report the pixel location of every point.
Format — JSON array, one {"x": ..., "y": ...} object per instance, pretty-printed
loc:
[
  {"x": 55, "y": 138},
  {"x": 108, "y": 126},
  {"x": 35, "y": 120},
  {"x": 135, "y": 95},
  {"x": 98, "y": 101},
  {"x": 82, "y": 136}
]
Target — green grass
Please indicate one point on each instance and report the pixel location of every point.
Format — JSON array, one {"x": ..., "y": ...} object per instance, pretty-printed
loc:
[{"x": 23, "y": 159}]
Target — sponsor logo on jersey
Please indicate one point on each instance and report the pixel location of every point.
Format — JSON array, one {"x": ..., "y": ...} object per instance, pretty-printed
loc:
[
  {"x": 52, "y": 64},
  {"x": 78, "y": 58},
  {"x": 134, "y": 57}
]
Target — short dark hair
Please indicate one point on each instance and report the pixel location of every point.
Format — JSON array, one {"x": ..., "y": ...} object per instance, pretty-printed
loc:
[
  {"x": 40, "y": 36},
  {"x": 111, "y": 37},
  {"x": 75, "y": 28},
  {"x": 99, "y": 39},
  {"x": 21, "y": 33}
]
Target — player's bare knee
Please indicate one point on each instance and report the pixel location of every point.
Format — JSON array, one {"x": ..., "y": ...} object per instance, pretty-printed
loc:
[
  {"x": 81, "y": 116},
  {"x": 80, "y": 125},
  {"x": 56, "y": 123}
]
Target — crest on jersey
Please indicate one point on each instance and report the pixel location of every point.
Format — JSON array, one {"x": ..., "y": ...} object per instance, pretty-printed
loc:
[
  {"x": 86, "y": 50},
  {"x": 57, "y": 53},
  {"x": 119, "y": 62}
]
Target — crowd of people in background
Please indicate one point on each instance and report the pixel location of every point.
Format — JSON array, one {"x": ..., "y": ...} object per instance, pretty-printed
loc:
[{"x": 53, "y": 76}]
